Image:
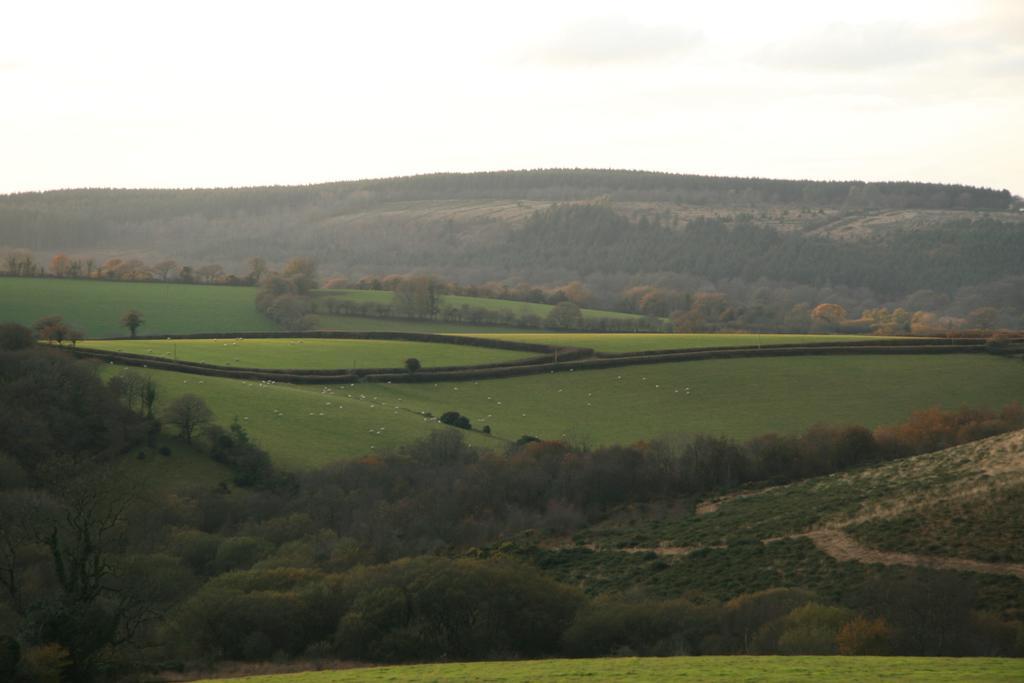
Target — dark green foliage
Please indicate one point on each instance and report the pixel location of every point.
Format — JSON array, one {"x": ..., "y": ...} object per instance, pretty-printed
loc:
[
  {"x": 233, "y": 447},
  {"x": 463, "y": 609},
  {"x": 660, "y": 628},
  {"x": 132, "y": 320},
  {"x": 10, "y": 654},
  {"x": 15, "y": 337},
  {"x": 412, "y": 364},
  {"x": 455, "y": 419},
  {"x": 52, "y": 406}
]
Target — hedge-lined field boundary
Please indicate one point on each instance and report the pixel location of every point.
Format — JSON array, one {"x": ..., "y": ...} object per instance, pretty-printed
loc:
[{"x": 549, "y": 359}]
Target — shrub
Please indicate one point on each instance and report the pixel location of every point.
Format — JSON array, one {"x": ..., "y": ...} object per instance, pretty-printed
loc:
[
  {"x": 14, "y": 337},
  {"x": 665, "y": 628},
  {"x": 455, "y": 419},
  {"x": 812, "y": 629},
  {"x": 862, "y": 636}
]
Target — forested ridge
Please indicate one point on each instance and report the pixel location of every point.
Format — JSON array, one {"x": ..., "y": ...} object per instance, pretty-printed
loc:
[{"x": 944, "y": 249}]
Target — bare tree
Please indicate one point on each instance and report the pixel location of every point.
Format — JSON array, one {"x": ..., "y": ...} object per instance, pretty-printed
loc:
[
  {"x": 165, "y": 268},
  {"x": 188, "y": 412}
]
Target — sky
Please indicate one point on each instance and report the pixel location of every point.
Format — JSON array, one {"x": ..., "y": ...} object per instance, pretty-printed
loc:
[{"x": 218, "y": 93}]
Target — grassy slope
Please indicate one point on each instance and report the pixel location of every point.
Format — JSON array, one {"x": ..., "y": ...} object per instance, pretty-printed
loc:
[
  {"x": 354, "y": 323},
  {"x": 184, "y": 468},
  {"x": 306, "y": 427},
  {"x": 517, "y": 307},
  {"x": 311, "y": 353},
  {"x": 932, "y": 670},
  {"x": 740, "y": 398},
  {"x": 626, "y": 342},
  {"x": 96, "y": 306}
]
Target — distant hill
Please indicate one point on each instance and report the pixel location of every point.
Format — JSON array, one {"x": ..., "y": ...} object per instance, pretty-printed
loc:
[{"x": 942, "y": 248}]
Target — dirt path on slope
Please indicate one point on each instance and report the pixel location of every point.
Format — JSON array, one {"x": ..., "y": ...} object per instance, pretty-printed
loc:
[{"x": 840, "y": 546}]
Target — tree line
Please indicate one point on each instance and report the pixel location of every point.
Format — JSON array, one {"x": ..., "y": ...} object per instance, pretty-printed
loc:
[{"x": 21, "y": 263}]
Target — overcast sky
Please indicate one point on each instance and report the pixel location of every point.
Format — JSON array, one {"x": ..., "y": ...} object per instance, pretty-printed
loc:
[{"x": 190, "y": 94}]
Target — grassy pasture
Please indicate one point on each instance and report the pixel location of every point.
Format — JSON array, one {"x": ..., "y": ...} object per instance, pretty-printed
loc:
[
  {"x": 629, "y": 342},
  {"x": 736, "y": 397},
  {"x": 516, "y": 307},
  {"x": 96, "y": 306},
  {"x": 634, "y": 669},
  {"x": 355, "y": 323},
  {"x": 310, "y": 354},
  {"x": 305, "y": 427}
]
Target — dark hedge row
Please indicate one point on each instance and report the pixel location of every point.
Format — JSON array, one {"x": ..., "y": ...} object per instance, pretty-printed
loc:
[
  {"x": 867, "y": 343},
  {"x": 564, "y": 355},
  {"x": 333, "y": 334}
]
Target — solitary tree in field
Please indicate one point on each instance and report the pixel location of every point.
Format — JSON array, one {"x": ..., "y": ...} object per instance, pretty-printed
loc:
[
  {"x": 132, "y": 320},
  {"x": 412, "y": 364},
  {"x": 52, "y": 328},
  {"x": 188, "y": 412}
]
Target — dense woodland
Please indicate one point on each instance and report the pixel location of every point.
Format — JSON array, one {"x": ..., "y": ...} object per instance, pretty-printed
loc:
[
  {"x": 610, "y": 232},
  {"x": 396, "y": 557}
]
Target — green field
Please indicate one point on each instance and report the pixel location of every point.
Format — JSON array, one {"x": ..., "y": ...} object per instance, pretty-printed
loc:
[
  {"x": 95, "y": 306},
  {"x": 732, "y": 669},
  {"x": 307, "y": 426},
  {"x": 516, "y": 307},
  {"x": 738, "y": 398},
  {"x": 310, "y": 354},
  {"x": 629, "y": 342},
  {"x": 355, "y": 323}
]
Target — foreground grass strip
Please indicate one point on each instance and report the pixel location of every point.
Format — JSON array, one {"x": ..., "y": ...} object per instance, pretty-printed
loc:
[{"x": 759, "y": 669}]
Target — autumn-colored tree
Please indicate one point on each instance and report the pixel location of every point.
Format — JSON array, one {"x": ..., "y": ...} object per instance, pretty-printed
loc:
[
  {"x": 210, "y": 273},
  {"x": 829, "y": 314},
  {"x": 862, "y": 636},
  {"x": 60, "y": 265},
  {"x": 165, "y": 268},
  {"x": 52, "y": 328},
  {"x": 302, "y": 272},
  {"x": 812, "y": 629},
  {"x": 923, "y": 322},
  {"x": 109, "y": 268},
  {"x": 577, "y": 293}
]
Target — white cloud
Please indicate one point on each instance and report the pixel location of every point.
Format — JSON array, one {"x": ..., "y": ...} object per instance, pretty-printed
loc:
[
  {"x": 615, "y": 40},
  {"x": 850, "y": 47}
]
